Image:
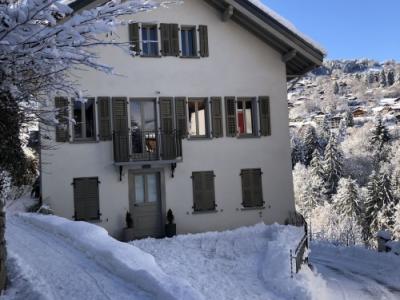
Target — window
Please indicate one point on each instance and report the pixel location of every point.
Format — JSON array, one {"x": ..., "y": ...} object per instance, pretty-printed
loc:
[
  {"x": 245, "y": 116},
  {"x": 252, "y": 188},
  {"x": 84, "y": 116},
  {"x": 86, "y": 198},
  {"x": 203, "y": 191},
  {"x": 198, "y": 118},
  {"x": 149, "y": 40},
  {"x": 188, "y": 41},
  {"x": 146, "y": 188}
]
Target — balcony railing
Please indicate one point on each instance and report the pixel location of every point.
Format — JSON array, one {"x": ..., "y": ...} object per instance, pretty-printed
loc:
[{"x": 139, "y": 145}]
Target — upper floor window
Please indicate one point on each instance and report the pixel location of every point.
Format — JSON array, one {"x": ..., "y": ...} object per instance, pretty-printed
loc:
[
  {"x": 188, "y": 41},
  {"x": 149, "y": 40},
  {"x": 245, "y": 116},
  {"x": 84, "y": 116},
  {"x": 198, "y": 117}
]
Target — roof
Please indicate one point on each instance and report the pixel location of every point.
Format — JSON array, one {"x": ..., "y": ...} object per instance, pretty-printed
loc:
[{"x": 299, "y": 53}]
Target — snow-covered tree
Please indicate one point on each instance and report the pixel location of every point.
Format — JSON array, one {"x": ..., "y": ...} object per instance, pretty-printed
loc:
[
  {"x": 396, "y": 227},
  {"x": 346, "y": 202},
  {"x": 310, "y": 143},
  {"x": 342, "y": 130},
  {"x": 371, "y": 207},
  {"x": 297, "y": 151},
  {"x": 391, "y": 77},
  {"x": 336, "y": 88},
  {"x": 324, "y": 133},
  {"x": 332, "y": 165},
  {"x": 380, "y": 135},
  {"x": 382, "y": 78}
]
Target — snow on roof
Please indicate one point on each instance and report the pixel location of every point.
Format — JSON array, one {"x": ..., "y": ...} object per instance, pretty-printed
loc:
[
  {"x": 389, "y": 101},
  {"x": 287, "y": 24}
]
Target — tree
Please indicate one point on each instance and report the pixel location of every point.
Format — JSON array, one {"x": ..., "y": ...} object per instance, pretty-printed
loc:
[
  {"x": 342, "y": 130},
  {"x": 316, "y": 167},
  {"x": 380, "y": 135},
  {"x": 382, "y": 78},
  {"x": 336, "y": 88},
  {"x": 332, "y": 165},
  {"x": 349, "y": 118},
  {"x": 391, "y": 78},
  {"x": 387, "y": 201},
  {"x": 347, "y": 202},
  {"x": 396, "y": 227},
  {"x": 371, "y": 207},
  {"x": 297, "y": 151},
  {"x": 324, "y": 133},
  {"x": 310, "y": 143}
]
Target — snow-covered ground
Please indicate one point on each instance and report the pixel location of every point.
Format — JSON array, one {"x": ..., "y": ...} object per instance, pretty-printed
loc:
[
  {"x": 357, "y": 273},
  {"x": 247, "y": 263}
]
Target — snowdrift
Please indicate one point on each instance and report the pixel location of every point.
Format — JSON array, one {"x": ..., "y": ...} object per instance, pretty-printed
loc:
[
  {"x": 246, "y": 263},
  {"x": 121, "y": 259}
]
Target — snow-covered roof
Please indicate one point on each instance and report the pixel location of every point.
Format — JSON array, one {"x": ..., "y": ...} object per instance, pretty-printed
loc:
[{"x": 287, "y": 24}]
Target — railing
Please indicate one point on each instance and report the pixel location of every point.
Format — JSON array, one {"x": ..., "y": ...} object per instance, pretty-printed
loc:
[
  {"x": 140, "y": 145},
  {"x": 298, "y": 257}
]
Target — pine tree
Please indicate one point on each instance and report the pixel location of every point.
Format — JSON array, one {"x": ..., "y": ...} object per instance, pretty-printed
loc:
[
  {"x": 316, "y": 167},
  {"x": 310, "y": 143},
  {"x": 371, "y": 207},
  {"x": 391, "y": 78},
  {"x": 388, "y": 202},
  {"x": 380, "y": 135},
  {"x": 332, "y": 165},
  {"x": 324, "y": 133},
  {"x": 382, "y": 78},
  {"x": 349, "y": 119},
  {"x": 347, "y": 202},
  {"x": 336, "y": 88},
  {"x": 342, "y": 130},
  {"x": 297, "y": 151},
  {"x": 396, "y": 227}
]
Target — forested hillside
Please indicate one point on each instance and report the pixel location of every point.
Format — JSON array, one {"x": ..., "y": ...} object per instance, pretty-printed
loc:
[{"x": 345, "y": 149}]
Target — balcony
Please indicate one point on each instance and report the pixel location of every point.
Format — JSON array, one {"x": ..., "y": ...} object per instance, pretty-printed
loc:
[{"x": 139, "y": 147}]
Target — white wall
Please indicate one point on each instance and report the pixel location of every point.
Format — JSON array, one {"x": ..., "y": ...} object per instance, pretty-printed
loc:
[{"x": 239, "y": 65}]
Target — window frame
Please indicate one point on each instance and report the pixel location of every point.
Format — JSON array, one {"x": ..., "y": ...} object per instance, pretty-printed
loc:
[
  {"x": 184, "y": 29},
  {"x": 254, "y": 121},
  {"x": 206, "y": 116},
  {"x": 84, "y": 137},
  {"x": 243, "y": 173},
  {"x": 148, "y": 27}
]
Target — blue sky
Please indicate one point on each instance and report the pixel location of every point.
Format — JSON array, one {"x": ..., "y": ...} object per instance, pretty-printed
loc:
[{"x": 347, "y": 28}]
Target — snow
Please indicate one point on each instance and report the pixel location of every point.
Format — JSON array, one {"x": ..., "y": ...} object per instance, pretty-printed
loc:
[
  {"x": 384, "y": 234},
  {"x": 357, "y": 273},
  {"x": 287, "y": 24},
  {"x": 246, "y": 263},
  {"x": 79, "y": 257}
]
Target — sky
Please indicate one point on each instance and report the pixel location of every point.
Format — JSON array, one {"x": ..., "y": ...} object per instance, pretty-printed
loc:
[{"x": 347, "y": 29}]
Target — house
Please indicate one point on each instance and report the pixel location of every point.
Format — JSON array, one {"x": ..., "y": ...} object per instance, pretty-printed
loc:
[
  {"x": 359, "y": 112},
  {"x": 198, "y": 123}
]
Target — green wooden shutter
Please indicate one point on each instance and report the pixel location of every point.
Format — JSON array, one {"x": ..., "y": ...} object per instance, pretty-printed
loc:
[
  {"x": 167, "y": 129},
  {"x": 62, "y": 129},
  {"x": 203, "y": 37},
  {"x": 203, "y": 191},
  {"x": 265, "y": 116},
  {"x": 86, "y": 198},
  {"x": 134, "y": 39},
  {"x": 180, "y": 116},
  {"x": 252, "y": 188},
  {"x": 121, "y": 132},
  {"x": 216, "y": 112},
  {"x": 103, "y": 108},
  {"x": 230, "y": 116},
  {"x": 174, "y": 39},
  {"x": 165, "y": 39}
]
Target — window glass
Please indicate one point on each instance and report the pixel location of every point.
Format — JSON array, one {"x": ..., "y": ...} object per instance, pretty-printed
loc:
[
  {"x": 78, "y": 119},
  {"x": 249, "y": 117},
  {"x": 139, "y": 188},
  {"x": 150, "y": 40},
  {"x": 89, "y": 116},
  {"x": 245, "y": 116},
  {"x": 152, "y": 188},
  {"x": 149, "y": 116},
  {"x": 188, "y": 42},
  {"x": 197, "y": 117}
]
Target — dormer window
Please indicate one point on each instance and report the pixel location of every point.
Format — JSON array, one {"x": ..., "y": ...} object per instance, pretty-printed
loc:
[
  {"x": 188, "y": 41},
  {"x": 149, "y": 40}
]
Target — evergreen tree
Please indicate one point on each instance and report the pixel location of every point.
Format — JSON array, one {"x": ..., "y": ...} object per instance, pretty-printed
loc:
[
  {"x": 349, "y": 119},
  {"x": 324, "y": 133},
  {"x": 380, "y": 135},
  {"x": 347, "y": 202},
  {"x": 336, "y": 88},
  {"x": 342, "y": 130},
  {"x": 332, "y": 165},
  {"x": 391, "y": 78},
  {"x": 297, "y": 151},
  {"x": 310, "y": 143},
  {"x": 316, "y": 167},
  {"x": 396, "y": 227},
  {"x": 382, "y": 78},
  {"x": 371, "y": 207}
]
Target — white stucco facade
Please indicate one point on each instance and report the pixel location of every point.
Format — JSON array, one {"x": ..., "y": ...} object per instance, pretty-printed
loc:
[{"x": 239, "y": 64}]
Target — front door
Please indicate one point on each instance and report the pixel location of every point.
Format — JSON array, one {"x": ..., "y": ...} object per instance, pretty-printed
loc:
[{"x": 145, "y": 204}]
